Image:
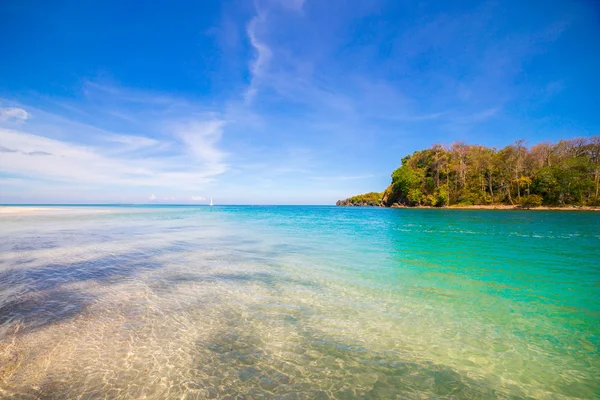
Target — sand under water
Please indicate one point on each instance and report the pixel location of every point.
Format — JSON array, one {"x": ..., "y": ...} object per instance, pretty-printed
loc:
[{"x": 298, "y": 302}]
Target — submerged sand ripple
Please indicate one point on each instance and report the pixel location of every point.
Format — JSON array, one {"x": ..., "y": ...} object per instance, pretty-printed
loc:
[{"x": 207, "y": 313}]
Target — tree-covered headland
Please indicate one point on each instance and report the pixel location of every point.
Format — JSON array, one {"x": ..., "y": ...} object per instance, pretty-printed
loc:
[{"x": 547, "y": 174}]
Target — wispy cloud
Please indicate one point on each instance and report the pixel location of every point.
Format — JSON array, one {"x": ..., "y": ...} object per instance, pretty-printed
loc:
[
  {"x": 179, "y": 150},
  {"x": 13, "y": 113},
  {"x": 201, "y": 138},
  {"x": 27, "y": 153},
  {"x": 259, "y": 65},
  {"x": 7, "y": 150},
  {"x": 132, "y": 142},
  {"x": 256, "y": 29}
]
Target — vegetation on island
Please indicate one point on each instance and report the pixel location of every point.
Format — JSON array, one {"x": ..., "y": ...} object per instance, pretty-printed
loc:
[
  {"x": 367, "y": 199},
  {"x": 549, "y": 174}
]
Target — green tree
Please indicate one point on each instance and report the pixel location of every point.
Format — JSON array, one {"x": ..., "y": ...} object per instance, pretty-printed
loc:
[{"x": 563, "y": 173}]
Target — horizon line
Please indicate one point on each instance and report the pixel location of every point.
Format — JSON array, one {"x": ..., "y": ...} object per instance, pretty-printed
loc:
[{"x": 157, "y": 204}]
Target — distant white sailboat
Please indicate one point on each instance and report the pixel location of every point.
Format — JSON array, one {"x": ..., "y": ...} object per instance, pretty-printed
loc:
[{"x": 211, "y": 203}]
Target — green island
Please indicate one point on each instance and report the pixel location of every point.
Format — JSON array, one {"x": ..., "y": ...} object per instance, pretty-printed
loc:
[{"x": 553, "y": 175}]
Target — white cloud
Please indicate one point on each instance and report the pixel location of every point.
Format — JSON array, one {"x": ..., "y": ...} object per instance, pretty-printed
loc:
[
  {"x": 13, "y": 113},
  {"x": 200, "y": 138},
  {"x": 197, "y": 198},
  {"x": 260, "y": 63},
  {"x": 134, "y": 142},
  {"x": 74, "y": 163},
  {"x": 171, "y": 145},
  {"x": 152, "y": 197}
]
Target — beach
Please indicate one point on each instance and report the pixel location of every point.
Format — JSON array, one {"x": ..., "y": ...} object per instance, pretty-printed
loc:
[
  {"x": 27, "y": 210},
  {"x": 48, "y": 210}
]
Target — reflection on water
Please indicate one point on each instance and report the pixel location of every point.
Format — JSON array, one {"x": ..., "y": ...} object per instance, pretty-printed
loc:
[{"x": 299, "y": 302}]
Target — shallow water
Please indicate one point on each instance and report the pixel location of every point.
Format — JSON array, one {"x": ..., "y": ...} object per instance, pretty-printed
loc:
[{"x": 299, "y": 302}]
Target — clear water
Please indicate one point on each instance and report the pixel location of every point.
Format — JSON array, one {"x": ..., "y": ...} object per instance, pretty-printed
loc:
[{"x": 299, "y": 302}]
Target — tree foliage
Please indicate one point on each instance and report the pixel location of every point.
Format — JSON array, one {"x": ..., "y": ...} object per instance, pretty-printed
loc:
[
  {"x": 553, "y": 174},
  {"x": 367, "y": 199}
]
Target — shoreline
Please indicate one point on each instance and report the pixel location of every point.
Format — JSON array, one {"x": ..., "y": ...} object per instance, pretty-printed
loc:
[
  {"x": 48, "y": 210},
  {"x": 27, "y": 210},
  {"x": 499, "y": 207},
  {"x": 509, "y": 207}
]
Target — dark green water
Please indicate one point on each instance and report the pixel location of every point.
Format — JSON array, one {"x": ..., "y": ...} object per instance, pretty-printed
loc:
[{"x": 299, "y": 302}]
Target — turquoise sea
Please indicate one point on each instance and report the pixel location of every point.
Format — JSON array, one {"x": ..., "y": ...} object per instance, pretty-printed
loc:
[{"x": 292, "y": 302}]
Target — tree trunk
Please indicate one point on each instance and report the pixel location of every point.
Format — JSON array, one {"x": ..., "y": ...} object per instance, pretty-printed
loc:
[
  {"x": 509, "y": 196},
  {"x": 491, "y": 189},
  {"x": 597, "y": 173},
  {"x": 448, "y": 184},
  {"x": 482, "y": 180},
  {"x": 518, "y": 187}
]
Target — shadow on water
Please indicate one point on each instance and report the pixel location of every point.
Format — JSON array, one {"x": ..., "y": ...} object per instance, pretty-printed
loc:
[
  {"x": 35, "y": 244},
  {"x": 35, "y": 311},
  {"x": 37, "y": 297},
  {"x": 238, "y": 361},
  {"x": 318, "y": 367}
]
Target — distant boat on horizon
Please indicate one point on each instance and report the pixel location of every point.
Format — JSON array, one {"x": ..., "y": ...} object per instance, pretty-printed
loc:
[{"x": 211, "y": 202}]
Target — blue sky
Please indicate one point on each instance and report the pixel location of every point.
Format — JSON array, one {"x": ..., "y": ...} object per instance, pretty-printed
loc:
[{"x": 276, "y": 101}]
